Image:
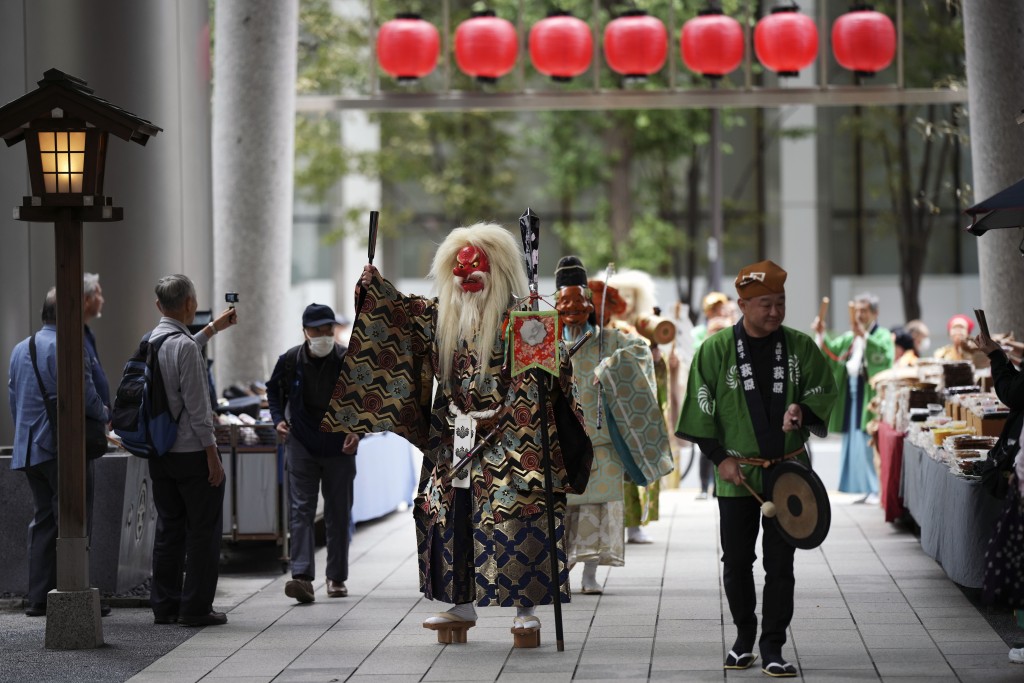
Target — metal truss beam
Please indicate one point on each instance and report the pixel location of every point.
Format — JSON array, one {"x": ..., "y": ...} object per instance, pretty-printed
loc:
[{"x": 632, "y": 99}]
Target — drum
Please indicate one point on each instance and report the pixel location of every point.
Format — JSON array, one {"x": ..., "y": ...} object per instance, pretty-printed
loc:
[{"x": 802, "y": 510}]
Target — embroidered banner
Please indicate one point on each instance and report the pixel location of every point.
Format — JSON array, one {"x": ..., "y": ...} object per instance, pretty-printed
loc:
[{"x": 534, "y": 341}]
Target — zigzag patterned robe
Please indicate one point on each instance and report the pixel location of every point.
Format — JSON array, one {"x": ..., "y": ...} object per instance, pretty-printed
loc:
[{"x": 488, "y": 543}]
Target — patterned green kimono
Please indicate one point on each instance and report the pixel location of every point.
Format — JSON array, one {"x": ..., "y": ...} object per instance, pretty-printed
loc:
[
  {"x": 488, "y": 542},
  {"x": 716, "y": 401},
  {"x": 879, "y": 354}
]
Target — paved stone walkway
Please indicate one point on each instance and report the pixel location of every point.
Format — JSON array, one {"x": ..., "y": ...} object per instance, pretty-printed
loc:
[{"x": 870, "y": 606}]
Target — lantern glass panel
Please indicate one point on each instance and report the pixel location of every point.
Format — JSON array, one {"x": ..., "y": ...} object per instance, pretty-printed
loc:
[
  {"x": 62, "y": 158},
  {"x": 47, "y": 141}
]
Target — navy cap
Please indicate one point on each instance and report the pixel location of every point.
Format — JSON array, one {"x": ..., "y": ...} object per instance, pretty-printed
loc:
[{"x": 316, "y": 315}]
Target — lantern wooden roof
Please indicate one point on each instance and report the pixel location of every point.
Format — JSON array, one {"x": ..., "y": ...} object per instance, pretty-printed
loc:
[{"x": 76, "y": 100}]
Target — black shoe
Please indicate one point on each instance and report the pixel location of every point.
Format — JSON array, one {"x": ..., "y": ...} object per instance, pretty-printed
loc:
[
  {"x": 105, "y": 610},
  {"x": 211, "y": 619},
  {"x": 35, "y": 610},
  {"x": 164, "y": 620}
]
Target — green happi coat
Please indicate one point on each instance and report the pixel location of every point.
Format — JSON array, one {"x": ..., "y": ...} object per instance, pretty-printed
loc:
[
  {"x": 715, "y": 405},
  {"x": 879, "y": 353}
]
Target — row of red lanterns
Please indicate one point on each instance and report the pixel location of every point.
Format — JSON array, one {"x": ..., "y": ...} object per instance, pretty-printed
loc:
[{"x": 636, "y": 44}]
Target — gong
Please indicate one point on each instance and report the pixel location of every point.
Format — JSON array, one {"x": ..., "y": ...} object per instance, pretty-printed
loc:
[{"x": 802, "y": 511}]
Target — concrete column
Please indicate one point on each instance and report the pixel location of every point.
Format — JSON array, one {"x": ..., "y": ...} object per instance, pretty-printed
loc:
[
  {"x": 798, "y": 245},
  {"x": 253, "y": 163},
  {"x": 362, "y": 193},
  {"x": 152, "y": 59},
  {"x": 992, "y": 32}
]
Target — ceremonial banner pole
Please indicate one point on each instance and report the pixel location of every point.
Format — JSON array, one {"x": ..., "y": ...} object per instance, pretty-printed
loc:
[{"x": 529, "y": 227}]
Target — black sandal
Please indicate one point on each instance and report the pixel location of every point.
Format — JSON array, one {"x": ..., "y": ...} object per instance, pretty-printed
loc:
[{"x": 779, "y": 669}]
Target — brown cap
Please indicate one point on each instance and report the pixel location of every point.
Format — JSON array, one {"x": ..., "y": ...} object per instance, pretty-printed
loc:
[{"x": 760, "y": 279}]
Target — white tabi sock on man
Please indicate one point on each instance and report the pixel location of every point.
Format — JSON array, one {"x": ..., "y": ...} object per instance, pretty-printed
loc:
[
  {"x": 463, "y": 612},
  {"x": 525, "y": 618}
]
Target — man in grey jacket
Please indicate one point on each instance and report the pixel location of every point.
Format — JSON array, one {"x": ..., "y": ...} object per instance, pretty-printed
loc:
[{"x": 188, "y": 481}]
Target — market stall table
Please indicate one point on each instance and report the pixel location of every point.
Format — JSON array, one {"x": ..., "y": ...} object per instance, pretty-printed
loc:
[
  {"x": 956, "y": 515},
  {"x": 890, "y": 453}
]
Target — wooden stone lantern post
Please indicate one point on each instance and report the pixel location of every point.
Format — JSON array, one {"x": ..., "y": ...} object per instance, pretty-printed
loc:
[{"x": 65, "y": 129}]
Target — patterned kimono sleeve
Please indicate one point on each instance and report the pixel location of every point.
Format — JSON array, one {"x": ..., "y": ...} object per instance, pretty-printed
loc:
[
  {"x": 816, "y": 386},
  {"x": 697, "y": 419},
  {"x": 387, "y": 375},
  {"x": 635, "y": 418}
]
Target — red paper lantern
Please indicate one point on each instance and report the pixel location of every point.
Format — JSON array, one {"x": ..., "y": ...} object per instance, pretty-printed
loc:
[
  {"x": 711, "y": 43},
  {"x": 486, "y": 47},
  {"x": 407, "y": 47},
  {"x": 786, "y": 41},
  {"x": 635, "y": 44},
  {"x": 561, "y": 46},
  {"x": 863, "y": 40}
]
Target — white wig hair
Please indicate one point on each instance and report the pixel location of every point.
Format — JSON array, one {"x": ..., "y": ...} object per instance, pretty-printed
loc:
[
  {"x": 641, "y": 285},
  {"x": 468, "y": 315}
]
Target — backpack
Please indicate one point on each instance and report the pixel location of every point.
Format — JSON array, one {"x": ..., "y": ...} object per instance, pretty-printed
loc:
[{"x": 142, "y": 415}]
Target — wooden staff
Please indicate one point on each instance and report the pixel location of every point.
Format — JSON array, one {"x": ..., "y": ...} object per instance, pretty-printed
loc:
[
  {"x": 529, "y": 227},
  {"x": 823, "y": 309},
  {"x": 853, "y": 317}
]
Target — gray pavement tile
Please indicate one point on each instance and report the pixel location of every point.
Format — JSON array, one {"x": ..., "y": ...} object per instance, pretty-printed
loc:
[
  {"x": 546, "y": 676},
  {"x": 930, "y": 669},
  {"x": 839, "y": 675},
  {"x": 981, "y": 661},
  {"x": 919, "y": 679},
  {"x": 691, "y": 676},
  {"x": 890, "y": 642},
  {"x": 898, "y": 655},
  {"x": 623, "y": 671},
  {"x": 886, "y": 618},
  {"x": 387, "y": 678},
  {"x": 892, "y": 629},
  {"x": 973, "y": 647},
  {"x": 314, "y": 675},
  {"x": 964, "y": 635},
  {"x": 813, "y": 661},
  {"x": 1007, "y": 673}
]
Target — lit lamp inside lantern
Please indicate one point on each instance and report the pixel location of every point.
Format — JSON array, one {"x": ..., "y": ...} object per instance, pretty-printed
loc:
[{"x": 66, "y": 160}]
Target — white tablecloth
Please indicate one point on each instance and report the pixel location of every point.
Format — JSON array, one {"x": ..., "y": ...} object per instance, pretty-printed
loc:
[{"x": 387, "y": 469}]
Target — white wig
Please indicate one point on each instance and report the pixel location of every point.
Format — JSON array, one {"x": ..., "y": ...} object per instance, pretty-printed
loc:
[
  {"x": 642, "y": 287},
  {"x": 468, "y": 315}
]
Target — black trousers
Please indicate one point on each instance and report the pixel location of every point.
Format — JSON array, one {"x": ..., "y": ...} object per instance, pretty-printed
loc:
[
  {"x": 188, "y": 533},
  {"x": 42, "y": 530},
  {"x": 739, "y": 519}
]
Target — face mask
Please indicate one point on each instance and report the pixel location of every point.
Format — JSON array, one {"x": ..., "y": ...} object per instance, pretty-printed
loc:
[
  {"x": 321, "y": 346},
  {"x": 926, "y": 344}
]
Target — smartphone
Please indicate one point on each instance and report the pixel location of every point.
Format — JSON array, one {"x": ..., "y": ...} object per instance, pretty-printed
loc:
[{"x": 231, "y": 298}]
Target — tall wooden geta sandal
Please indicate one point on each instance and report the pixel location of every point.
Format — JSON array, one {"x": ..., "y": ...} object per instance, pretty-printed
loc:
[
  {"x": 525, "y": 637},
  {"x": 452, "y": 631}
]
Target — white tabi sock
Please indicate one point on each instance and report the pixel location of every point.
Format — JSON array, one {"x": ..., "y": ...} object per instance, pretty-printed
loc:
[
  {"x": 464, "y": 612},
  {"x": 527, "y": 617},
  {"x": 589, "y": 574}
]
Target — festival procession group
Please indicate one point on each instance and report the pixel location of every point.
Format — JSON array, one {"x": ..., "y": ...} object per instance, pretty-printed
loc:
[{"x": 546, "y": 421}]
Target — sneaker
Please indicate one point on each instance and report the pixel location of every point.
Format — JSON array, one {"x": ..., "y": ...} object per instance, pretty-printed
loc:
[
  {"x": 703, "y": 495},
  {"x": 872, "y": 499},
  {"x": 1017, "y": 655},
  {"x": 300, "y": 589}
]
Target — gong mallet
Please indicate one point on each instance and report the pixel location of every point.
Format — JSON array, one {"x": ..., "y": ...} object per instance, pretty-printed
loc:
[
  {"x": 371, "y": 247},
  {"x": 767, "y": 507}
]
